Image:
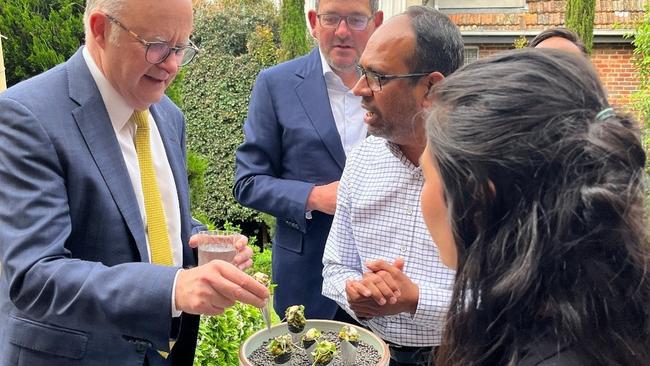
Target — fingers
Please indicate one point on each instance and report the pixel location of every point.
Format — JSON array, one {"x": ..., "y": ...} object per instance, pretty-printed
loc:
[
  {"x": 241, "y": 242},
  {"x": 245, "y": 265},
  {"x": 379, "y": 291},
  {"x": 243, "y": 258},
  {"x": 194, "y": 241},
  {"x": 399, "y": 264},
  {"x": 381, "y": 265},
  {"x": 236, "y": 285},
  {"x": 351, "y": 292},
  {"x": 210, "y": 288}
]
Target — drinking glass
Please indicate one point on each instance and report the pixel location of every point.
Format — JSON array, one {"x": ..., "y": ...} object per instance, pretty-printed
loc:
[{"x": 217, "y": 244}]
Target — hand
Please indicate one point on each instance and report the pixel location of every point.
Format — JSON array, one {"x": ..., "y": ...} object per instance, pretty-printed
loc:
[
  {"x": 242, "y": 260},
  {"x": 363, "y": 306},
  {"x": 409, "y": 291},
  {"x": 214, "y": 286},
  {"x": 323, "y": 198},
  {"x": 380, "y": 286},
  {"x": 386, "y": 290}
]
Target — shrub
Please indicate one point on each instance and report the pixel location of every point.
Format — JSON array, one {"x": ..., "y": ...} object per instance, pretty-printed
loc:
[
  {"x": 641, "y": 98},
  {"x": 41, "y": 34},
  {"x": 220, "y": 336},
  {"x": 237, "y": 39}
]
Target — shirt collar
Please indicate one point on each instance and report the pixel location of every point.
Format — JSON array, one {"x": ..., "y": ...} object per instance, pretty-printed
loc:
[
  {"x": 397, "y": 152},
  {"x": 118, "y": 109}
]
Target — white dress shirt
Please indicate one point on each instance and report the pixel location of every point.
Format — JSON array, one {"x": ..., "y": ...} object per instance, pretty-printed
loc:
[
  {"x": 378, "y": 216},
  {"x": 346, "y": 108},
  {"x": 119, "y": 113}
]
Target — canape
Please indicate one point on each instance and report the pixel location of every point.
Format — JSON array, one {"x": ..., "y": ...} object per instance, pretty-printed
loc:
[{"x": 281, "y": 349}]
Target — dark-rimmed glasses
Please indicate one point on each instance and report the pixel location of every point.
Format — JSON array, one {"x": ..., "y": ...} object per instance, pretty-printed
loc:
[
  {"x": 355, "y": 22},
  {"x": 374, "y": 80},
  {"x": 157, "y": 52}
]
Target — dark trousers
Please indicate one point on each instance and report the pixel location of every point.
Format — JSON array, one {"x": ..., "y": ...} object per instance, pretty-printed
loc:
[{"x": 411, "y": 356}]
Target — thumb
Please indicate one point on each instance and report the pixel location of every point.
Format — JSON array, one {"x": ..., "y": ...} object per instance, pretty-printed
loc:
[
  {"x": 194, "y": 241},
  {"x": 399, "y": 264}
]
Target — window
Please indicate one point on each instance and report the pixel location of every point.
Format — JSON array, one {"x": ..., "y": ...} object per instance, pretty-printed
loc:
[{"x": 471, "y": 54}]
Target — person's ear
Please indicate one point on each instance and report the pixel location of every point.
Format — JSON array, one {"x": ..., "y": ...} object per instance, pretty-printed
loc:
[
  {"x": 99, "y": 28},
  {"x": 313, "y": 20},
  {"x": 431, "y": 80},
  {"x": 379, "y": 18}
]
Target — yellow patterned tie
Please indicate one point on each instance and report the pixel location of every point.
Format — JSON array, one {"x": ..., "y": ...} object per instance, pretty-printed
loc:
[{"x": 157, "y": 232}]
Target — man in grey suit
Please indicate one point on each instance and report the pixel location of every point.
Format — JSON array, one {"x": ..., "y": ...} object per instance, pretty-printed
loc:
[
  {"x": 92, "y": 250},
  {"x": 302, "y": 121}
]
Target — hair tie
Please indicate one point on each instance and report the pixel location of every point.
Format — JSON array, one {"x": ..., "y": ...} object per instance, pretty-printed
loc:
[{"x": 605, "y": 113}]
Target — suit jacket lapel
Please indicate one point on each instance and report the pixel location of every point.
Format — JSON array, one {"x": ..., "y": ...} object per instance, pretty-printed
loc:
[
  {"x": 95, "y": 126},
  {"x": 312, "y": 93}
]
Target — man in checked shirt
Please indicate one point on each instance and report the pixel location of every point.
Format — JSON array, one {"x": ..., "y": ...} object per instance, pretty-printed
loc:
[{"x": 380, "y": 264}]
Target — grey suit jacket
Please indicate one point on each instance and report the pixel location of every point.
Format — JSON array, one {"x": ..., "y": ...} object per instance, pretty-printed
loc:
[{"x": 74, "y": 288}]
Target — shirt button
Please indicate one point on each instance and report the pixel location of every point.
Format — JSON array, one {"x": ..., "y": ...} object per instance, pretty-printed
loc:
[
  {"x": 403, "y": 249},
  {"x": 409, "y": 211}
]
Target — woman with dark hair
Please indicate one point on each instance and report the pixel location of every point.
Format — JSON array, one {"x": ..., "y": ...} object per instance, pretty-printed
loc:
[{"x": 534, "y": 194}]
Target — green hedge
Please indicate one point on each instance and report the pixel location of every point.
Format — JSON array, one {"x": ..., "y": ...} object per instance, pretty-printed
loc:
[
  {"x": 237, "y": 40},
  {"x": 40, "y": 34}
]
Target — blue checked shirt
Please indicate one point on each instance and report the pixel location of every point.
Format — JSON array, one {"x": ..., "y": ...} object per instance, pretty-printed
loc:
[{"x": 378, "y": 216}]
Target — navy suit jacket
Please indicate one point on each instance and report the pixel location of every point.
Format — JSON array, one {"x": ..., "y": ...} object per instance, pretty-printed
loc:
[
  {"x": 291, "y": 144},
  {"x": 75, "y": 289}
]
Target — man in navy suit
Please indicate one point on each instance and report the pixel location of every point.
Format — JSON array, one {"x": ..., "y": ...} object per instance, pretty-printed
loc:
[
  {"x": 80, "y": 283},
  {"x": 302, "y": 121}
]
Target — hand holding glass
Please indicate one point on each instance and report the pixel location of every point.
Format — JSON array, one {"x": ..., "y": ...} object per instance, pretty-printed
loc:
[{"x": 218, "y": 244}]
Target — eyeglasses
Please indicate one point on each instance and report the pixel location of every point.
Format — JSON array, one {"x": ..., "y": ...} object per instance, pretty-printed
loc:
[
  {"x": 374, "y": 80},
  {"x": 355, "y": 22},
  {"x": 158, "y": 51}
]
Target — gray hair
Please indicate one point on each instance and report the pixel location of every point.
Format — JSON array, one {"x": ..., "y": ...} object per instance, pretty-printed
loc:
[
  {"x": 112, "y": 7},
  {"x": 374, "y": 5},
  {"x": 439, "y": 44}
]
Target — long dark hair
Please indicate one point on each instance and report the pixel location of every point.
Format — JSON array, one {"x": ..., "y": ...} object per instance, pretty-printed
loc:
[{"x": 544, "y": 186}]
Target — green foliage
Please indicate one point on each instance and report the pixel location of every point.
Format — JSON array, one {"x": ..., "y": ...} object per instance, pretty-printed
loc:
[
  {"x": 579, "y": 18},
  {"x": 261, "y": 46},
  {"x": 520, "y": 42},
  {"x": 220, "y": 336},
  {"x": 174, "y": 91},
  {"x": 293, "y": 29},
  {"x": 261, "y": 260},
  {"x": 641, "y": 98},
  {"x": 197, "y": 165},
  {"x": 40, "y": 34},
  {"x": 216, "y": 91}
]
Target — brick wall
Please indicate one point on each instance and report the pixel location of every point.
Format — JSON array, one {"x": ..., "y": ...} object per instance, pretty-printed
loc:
[
  {"x": 612, "y": 61},
  {"x": 614, "y": 65}
]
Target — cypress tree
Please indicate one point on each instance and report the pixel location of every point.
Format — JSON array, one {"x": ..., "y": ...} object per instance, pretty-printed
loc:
[
  {"x": 293, "y": 30},
  {"x": 579, "y": 17}
]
